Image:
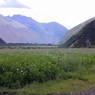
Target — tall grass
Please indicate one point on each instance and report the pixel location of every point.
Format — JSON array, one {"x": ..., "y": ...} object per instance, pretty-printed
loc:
[{"x": 18, "y": 69}]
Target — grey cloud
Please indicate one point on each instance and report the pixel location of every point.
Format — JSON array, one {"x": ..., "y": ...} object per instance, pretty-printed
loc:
[{"x": 12, "y": 4}]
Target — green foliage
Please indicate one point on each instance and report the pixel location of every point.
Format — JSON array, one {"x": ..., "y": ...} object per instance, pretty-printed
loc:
[{"x": 18, "y": 69}]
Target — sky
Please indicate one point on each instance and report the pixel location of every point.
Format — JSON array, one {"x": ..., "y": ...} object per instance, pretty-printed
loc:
[{"x": 66, "y": 12}]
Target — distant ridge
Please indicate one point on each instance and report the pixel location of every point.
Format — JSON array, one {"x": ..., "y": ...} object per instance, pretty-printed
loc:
[
  {"x": 46, "y": 32},
  {"x": 82, "y": 35},
  {"x": 14, "y": 32}
]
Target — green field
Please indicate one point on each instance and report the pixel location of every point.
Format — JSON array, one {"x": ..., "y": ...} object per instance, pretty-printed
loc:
[{"x": 47, "y": 70}]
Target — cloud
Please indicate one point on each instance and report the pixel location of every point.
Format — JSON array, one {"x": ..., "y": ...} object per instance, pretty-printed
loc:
[{"x": 11, "y": 4}]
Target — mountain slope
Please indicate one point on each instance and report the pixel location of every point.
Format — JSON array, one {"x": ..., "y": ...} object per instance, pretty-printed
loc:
[
  {"x": 2, "y": 41},
  {"x": 47, "y": 32},
  {"x": 82, "y": 35},
  {"x": 14, "y": 32},
  {"x": 55, "y": 30}
]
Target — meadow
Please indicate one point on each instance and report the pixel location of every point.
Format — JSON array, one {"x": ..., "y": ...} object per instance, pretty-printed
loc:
[{"x": 47, "y": 70}]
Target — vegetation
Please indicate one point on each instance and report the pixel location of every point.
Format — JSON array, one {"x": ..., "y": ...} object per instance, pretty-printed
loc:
[{"x": 43, "y": 69}]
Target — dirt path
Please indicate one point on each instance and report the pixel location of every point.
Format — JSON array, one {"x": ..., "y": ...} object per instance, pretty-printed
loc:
[
  {"x": 89, "y": 92},
  {"x": 7, "y": 93}
]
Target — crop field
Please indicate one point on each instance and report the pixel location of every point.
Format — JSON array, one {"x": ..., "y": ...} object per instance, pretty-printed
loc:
[{"x": 47, "y": 70}]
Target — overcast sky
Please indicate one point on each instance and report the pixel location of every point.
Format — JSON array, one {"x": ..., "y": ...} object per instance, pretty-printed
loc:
[{"x": 67, "y": 12}]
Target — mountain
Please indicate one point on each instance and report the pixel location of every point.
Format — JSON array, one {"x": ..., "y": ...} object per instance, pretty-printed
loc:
[
  {"x": 2, "y": 42},
  {"x": 14, "y": 32},
  {"x": 82, "y": 35},
  {"x": 55, "y": 30},
  {"x": 46, "y": 32}
]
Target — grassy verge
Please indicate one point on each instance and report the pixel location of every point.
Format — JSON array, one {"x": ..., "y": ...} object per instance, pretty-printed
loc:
[{"x": 55, "y": 86}]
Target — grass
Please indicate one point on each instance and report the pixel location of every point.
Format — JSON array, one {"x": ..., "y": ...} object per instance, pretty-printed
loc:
[
  {"x": 46, "y": 71},
  {"x": 55, "y": 86}
]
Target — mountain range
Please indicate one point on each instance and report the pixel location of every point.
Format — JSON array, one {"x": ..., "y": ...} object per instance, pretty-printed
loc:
[{"x": 22, "y": 29}]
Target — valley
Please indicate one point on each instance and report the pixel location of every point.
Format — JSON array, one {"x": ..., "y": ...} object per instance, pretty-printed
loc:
[
  {"x": 45, "y": 58},
  {"x": 47, "y": 47}
]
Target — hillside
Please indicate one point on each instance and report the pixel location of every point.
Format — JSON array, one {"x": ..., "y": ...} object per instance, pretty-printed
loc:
[
  {"x": 55, "y": 30},
  {"x": 46, "y": 32},
  {"x": 82, "y": 35},
  {"x": 2, "y": 41},
  {"x": 14, "y": 32}
]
